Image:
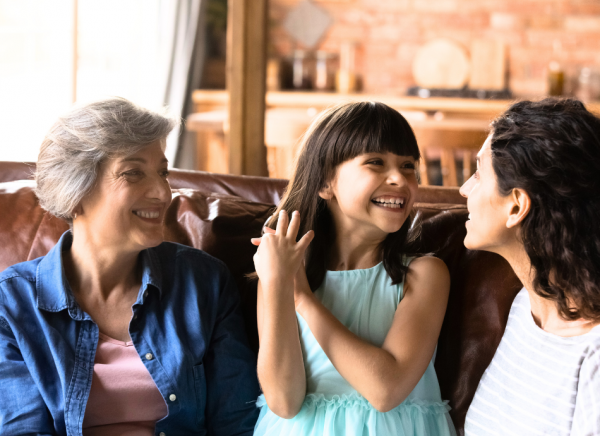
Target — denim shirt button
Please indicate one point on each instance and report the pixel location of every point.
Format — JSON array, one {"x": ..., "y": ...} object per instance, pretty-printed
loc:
[
  {"x": 135, "y": 316},
  {"x": 172, "y": 397},
  {"x": 145, "y": 294},
  {"x": 149, "y": 356},
  {"x": 162, "y": 433}
]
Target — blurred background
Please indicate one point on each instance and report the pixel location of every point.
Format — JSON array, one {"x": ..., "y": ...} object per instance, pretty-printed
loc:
[{"x": 249, "y": 76}]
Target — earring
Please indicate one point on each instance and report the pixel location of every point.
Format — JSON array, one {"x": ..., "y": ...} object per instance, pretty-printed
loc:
[{"x": 74, "y": 216}]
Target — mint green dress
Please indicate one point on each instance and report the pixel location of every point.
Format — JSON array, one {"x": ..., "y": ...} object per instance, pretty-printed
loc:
[{"x": 365, "y": 302}]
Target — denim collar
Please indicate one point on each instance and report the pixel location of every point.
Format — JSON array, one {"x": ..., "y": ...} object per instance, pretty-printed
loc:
[{"x": 54, "y": 293}]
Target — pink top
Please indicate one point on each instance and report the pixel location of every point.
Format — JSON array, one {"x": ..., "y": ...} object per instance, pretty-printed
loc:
[{"x": 124, "y": 400}]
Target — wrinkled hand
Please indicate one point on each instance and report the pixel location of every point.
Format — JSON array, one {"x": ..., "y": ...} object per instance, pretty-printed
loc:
[{"x": 279, "y": 256}]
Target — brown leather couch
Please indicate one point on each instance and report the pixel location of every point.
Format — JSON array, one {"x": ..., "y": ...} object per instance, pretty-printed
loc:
[{"x": 220, "y": 213}]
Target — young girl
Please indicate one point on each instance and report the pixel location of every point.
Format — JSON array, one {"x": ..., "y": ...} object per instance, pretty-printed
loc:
[{"x": 346, "y": 348}]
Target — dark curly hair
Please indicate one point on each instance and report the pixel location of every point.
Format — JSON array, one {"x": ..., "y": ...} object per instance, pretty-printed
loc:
[{"x": 551, "y": 149}]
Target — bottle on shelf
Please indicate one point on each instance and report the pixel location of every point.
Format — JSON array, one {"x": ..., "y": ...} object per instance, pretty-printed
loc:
[
  {"x": 556, "y": 74},
  {"x": 323, "y": 71},
  {"x": 346, "y": 75},
  {"x": 301, "y": 77}
]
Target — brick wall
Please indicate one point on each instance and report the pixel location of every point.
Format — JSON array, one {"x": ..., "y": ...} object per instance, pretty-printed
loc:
[{"x": 389, "y": 32}]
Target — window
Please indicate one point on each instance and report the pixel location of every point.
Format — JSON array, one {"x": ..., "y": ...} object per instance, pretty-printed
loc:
[{"x": 121, "y": 48}]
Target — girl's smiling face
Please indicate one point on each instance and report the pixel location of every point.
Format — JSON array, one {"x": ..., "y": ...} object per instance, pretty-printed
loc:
[{"x": 372, "y": 194}]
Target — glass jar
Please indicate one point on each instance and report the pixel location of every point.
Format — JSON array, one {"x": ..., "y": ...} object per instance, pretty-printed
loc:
[
  {"x": 301, "y": 77},
  {"x": 324, "y": 72}
]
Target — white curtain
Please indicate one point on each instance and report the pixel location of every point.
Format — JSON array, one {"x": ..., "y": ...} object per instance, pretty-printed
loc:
[{"x": 184, "y": 24}]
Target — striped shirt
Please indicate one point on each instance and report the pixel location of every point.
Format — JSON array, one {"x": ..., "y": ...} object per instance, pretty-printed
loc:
[{"x": 538, "y": 383}]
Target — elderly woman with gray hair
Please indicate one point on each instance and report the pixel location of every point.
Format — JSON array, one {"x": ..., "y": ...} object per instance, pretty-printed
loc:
[{"x": 115, "y": 332}]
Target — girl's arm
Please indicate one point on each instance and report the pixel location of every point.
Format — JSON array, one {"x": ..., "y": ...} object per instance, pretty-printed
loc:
[
  {"x": 385, "y": 376},
  {"x": 280, "y": 364}
]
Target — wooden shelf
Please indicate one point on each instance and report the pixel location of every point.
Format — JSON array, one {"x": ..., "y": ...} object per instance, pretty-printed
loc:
[
  {"x": 463, "y": 106},
  {"x": 454, "y": 105}
]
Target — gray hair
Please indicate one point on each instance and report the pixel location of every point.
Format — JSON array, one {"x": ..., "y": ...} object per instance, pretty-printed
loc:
[{"x": 81, "y": 140}]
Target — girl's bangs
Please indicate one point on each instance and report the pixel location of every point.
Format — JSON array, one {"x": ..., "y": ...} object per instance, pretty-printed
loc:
[{"x": 381, "y": 129}]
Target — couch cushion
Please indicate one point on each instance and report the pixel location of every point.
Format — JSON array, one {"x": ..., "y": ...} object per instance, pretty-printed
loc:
[
  {"x": 482, "y": 289},
  {"x": 20, "y": 221}
]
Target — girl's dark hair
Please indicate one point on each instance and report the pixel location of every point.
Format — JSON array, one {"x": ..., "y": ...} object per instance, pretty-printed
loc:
[
  {"x": 551, "y": 149},
  {"x": 339, "y": 134}
]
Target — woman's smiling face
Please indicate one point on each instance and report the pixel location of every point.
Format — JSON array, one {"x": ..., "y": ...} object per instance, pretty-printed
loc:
[
  {"x": 127, "y": 206},
  {"x": 488, "y": 209}
]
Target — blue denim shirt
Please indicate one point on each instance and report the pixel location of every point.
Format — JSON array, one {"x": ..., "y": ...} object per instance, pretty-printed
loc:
[{"x": 187, "y": 329}]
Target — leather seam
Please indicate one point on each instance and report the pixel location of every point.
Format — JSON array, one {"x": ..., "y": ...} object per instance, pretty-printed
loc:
[{"x": 37, "y": 230}]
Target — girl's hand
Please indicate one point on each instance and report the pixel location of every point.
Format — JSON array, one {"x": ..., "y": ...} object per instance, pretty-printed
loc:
[
  {"x": 301, "y": 286},
  {"x": 279, "y": 255},
  {"x": 256, "y": 241}
]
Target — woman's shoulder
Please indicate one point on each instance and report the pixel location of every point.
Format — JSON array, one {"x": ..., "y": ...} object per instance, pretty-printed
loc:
[
  {"x": 18, "y": 287},
  {"x": 593, "y": 350},
  {"x": 31, "y": 274},
  {"x": 185, "y": 253},
  {"x": 22, "y": 273},
  {"x": 186, "y": 259}
]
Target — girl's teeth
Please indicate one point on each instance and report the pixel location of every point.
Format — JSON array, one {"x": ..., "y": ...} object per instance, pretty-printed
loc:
[
  {"x": 393, "y": 202},
  {"x": 150, "y": 215}
]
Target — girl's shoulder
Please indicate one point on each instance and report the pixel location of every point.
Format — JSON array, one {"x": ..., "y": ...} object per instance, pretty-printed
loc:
[
  {"x": 427, "y": 265},
  {"x": 428, "y": 274}
]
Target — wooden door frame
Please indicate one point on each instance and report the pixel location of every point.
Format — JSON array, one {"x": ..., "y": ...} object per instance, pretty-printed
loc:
[{"x": 246, "y": 86}]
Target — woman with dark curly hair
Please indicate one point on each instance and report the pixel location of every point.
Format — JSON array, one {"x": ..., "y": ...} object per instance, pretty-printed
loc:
[{"x": 535, "y": 200}]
